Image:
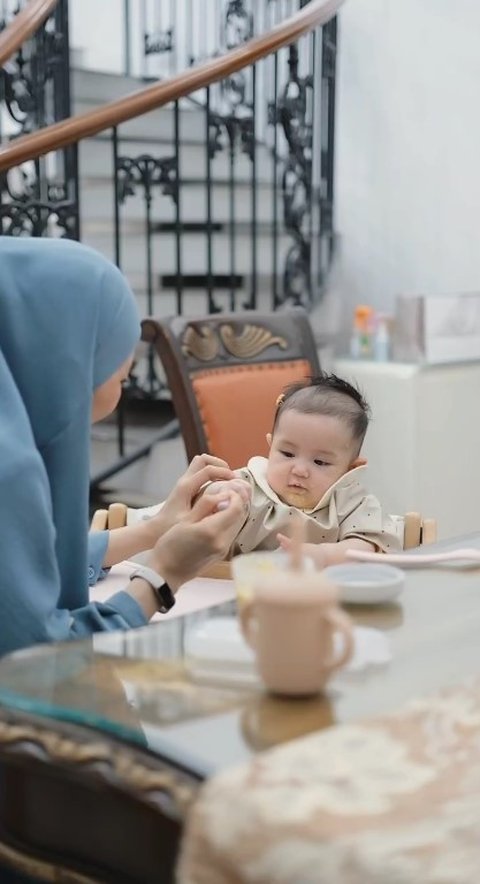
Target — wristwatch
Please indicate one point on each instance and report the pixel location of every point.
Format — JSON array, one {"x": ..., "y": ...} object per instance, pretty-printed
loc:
[{"x": 163, "y": 593}]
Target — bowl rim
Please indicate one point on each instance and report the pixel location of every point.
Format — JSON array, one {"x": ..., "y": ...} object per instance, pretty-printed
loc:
[{"x": 368, "y": 573}]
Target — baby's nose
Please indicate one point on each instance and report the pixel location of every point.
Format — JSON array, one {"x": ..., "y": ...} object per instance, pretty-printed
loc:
[{"x": 300, "y": 468}]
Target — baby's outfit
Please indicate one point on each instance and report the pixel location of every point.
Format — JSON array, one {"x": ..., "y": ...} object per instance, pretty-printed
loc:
[{"x": 346, "y": 510}]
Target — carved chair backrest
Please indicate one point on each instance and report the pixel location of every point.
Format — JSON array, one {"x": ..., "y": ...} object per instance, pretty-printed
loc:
[{"x": 225, "y": 373}]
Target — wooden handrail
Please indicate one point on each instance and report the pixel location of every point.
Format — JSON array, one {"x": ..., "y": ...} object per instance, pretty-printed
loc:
[
  {"x": 23, "y": 26},
  {"x": 84, "y": 125}
]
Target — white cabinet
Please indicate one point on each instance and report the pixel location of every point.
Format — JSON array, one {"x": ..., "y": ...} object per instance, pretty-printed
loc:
[{"x": 423, "y": 443}]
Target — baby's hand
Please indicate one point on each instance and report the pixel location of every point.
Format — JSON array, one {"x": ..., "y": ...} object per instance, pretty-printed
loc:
[
  {"x": 239, "y": 485},
  {"x": 314, "y": 551}
]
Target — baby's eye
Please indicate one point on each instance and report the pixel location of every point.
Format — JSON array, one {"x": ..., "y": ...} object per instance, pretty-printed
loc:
[
  {"x": 286, "y": 453},
  {"x": 321, "y": 463}
]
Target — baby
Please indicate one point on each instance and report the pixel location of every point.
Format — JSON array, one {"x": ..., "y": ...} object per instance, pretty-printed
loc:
[{"x": 314, "y": 468}]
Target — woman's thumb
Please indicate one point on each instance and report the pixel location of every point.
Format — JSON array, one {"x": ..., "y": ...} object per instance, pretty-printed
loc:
[
  {"x": 205, "y": 506},
  {"x": 209, "y": 504}
]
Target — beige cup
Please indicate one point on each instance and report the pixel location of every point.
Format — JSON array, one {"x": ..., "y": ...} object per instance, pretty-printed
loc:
[
  {"x": 290, "y": 623},
  {"x": 249, "y": 567}
]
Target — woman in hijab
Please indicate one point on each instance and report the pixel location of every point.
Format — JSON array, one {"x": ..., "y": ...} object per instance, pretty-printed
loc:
[{"x": 68, "y": 328}]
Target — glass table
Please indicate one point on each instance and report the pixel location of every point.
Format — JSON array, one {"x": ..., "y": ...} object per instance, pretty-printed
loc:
[{"x": 140, "y": 687}]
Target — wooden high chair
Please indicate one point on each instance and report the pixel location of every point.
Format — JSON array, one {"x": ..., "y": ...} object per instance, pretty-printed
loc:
[
  {"x": 106, "y": 520},
  {"x": 226, "y": 371},
  {"x": 416, "y": 532}
]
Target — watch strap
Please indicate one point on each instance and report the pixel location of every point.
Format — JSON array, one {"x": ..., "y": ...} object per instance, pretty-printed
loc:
[{"x": 163, "y": 593}]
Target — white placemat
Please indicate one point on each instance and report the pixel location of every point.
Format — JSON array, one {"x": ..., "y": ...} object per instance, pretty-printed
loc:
[{"x": 203, "y": 592}]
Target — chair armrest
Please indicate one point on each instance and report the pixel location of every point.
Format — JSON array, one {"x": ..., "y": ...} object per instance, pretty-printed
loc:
[{"x": 218, "y": 570}]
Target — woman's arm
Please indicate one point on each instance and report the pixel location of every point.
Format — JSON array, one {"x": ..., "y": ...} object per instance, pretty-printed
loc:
[
  {"x": 126, "y": 542},
  {"x": 202, "y": 537}
]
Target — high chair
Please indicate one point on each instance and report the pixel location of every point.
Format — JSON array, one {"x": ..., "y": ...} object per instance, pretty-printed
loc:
[
  {"x": 416, "y": 532},
  {"x": 115, "y": 517},
  {"x": 225, "y": 372}
]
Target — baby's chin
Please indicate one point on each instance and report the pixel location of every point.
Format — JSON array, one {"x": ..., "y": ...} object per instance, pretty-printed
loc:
[{"x": 296, "y": 497}]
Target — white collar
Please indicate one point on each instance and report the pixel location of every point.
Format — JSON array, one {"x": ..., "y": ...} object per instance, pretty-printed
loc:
[{"x": 258, "y": 468}]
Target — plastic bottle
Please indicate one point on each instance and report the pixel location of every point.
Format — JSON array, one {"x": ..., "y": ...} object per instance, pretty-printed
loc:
[
  {"x": 381, "y": 341},
  {"x": 361, "y": 340}
]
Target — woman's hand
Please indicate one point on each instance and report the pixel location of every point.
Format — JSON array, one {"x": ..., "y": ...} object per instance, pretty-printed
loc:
[
  {"x": 203, "y": 468},
  {"x": 128, "y": 541},
  {"x": 241, "y": 486},
  {"x": 203, "y": 536}
]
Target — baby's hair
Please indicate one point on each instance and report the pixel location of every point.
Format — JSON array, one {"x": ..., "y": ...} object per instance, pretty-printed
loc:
[{"x": 329, "y": 395}]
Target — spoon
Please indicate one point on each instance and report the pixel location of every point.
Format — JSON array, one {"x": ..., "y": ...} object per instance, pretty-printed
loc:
[{"x": 468, "y": 555}]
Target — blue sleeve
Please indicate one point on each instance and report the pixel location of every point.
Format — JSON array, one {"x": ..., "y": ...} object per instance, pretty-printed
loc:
[
  {"x": 121, "y": 611},
  {"x": 97, "y": 547},
  {"x": 34, "y": 605}
]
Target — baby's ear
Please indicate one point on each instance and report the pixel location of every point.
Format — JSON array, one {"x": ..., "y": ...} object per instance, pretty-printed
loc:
[
  {"x": 358, "y": 462},
  {"x": 269, "y": 439}
]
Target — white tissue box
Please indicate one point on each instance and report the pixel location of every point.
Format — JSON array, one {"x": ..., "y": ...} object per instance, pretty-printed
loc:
[{"x": 437, "y": 328}]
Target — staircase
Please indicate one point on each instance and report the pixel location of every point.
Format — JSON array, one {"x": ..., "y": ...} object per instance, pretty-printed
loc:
[
  {"x": 153, "y": 135},
  {"x": 211, "y": 189}
]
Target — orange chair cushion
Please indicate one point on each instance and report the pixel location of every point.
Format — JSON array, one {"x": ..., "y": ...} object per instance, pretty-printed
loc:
[{"x": 237, "y": 405}]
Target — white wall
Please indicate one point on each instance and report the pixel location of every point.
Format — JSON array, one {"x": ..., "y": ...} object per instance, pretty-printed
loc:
[
  {"x": 408, "y": 148},
  {"x": 97, "y": 29}
]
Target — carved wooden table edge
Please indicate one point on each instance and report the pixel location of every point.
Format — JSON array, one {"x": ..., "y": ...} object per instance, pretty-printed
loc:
[
  {"x": 41, "y": 869},
  {"x": 31, "y": 744},
  {"x": 130, "y": 768}
]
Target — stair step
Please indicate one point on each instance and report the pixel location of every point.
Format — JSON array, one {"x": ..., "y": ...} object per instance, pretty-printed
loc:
[
  {"x": 195, "y": 302},
  {"x": 97, "y": 204},
  {"x": 158, "y": 123},
  {"x": 96, "y": 158},
  {"x": 192, "y": 247},
  {"x": 98, "y": 87}
]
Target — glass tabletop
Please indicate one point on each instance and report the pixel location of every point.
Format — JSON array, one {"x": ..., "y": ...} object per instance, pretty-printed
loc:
[{"x": 141, "y": 686}]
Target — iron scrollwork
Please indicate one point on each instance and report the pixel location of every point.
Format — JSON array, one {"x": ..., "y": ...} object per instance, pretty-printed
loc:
[
  {"x": 148, "y": 173},
  {"x": 234, "y": 114},
  {"x": 39, "y": 197},
  {"x": 231, "y": 122},
  {"x": 291, "y": 112},
  {"x": 238, "y": 28},
  {"x": 35, "y": 218},
  {"x": 158, "y": 43},
  {"x": 329, "y": 59}
]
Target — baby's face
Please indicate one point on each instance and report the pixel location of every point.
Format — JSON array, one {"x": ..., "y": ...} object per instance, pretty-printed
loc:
[{"x": 308, "y": 453}]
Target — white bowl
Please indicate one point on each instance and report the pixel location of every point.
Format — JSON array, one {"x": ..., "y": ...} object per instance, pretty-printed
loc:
[{"x": 366, "y": 584}]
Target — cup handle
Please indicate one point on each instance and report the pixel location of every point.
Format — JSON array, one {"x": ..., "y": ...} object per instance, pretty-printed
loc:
[
  {"x": 246, "y": 614},
  {"x": 341, "y": 623}
]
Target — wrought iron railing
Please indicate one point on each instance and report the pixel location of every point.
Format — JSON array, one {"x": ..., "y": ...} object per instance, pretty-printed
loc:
[
  {"x": 38, "y": 197},
  {"x": 283, "y": 108},
  {"x": 229, "y": 197}
]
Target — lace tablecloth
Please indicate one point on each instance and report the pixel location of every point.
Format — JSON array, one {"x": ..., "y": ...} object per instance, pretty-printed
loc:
[{"x": 394, "y": 800}]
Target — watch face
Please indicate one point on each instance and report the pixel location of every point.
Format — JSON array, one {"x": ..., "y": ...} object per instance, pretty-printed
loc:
[
  {"x": 163, "y": 593},
  {"x": 165, "y": 597}
]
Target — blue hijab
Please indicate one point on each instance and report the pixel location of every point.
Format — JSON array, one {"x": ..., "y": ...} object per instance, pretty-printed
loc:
[{"x": 68, "y": 321}]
